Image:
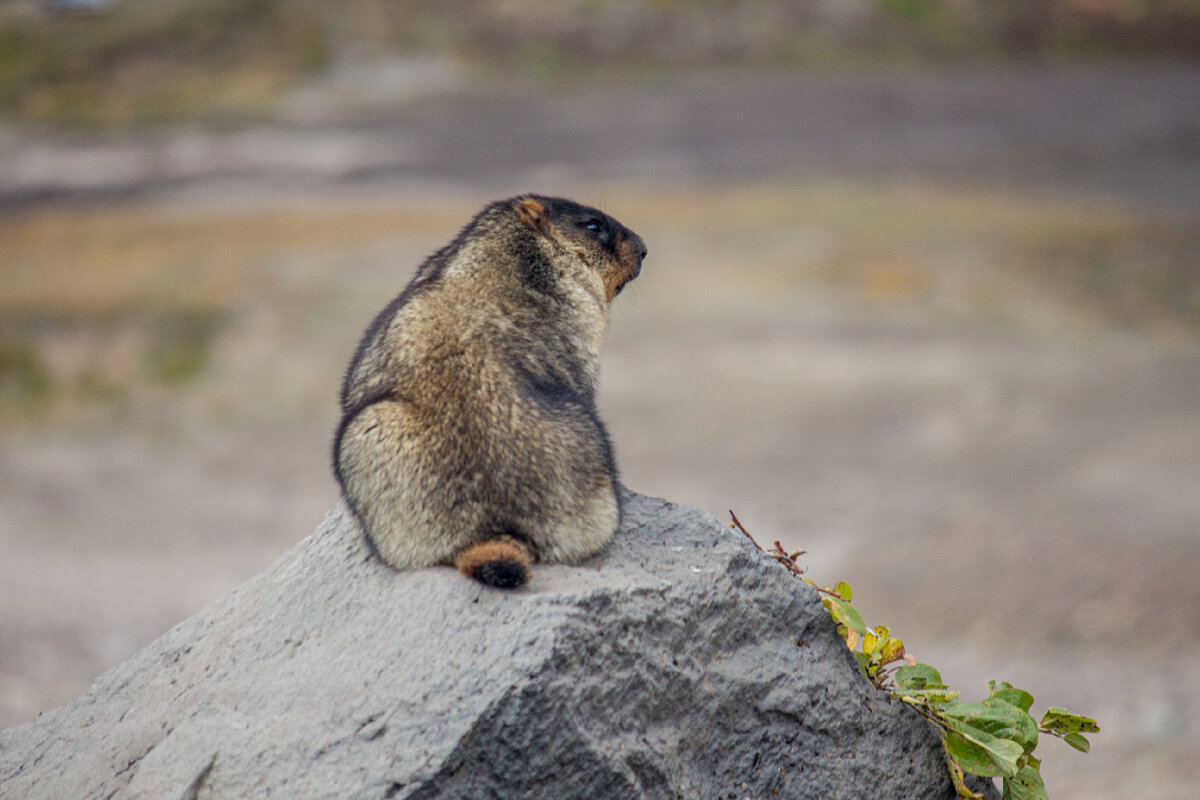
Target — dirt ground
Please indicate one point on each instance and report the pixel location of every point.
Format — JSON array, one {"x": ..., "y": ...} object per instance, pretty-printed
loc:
[{"x": 862, "y": 326}]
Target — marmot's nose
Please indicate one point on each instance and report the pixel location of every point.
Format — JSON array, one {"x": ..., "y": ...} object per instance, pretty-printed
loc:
[{"x": 639, "y": 246}]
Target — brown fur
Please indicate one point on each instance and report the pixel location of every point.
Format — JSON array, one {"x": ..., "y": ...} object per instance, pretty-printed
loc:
[
  {"x": 500, "y": 562},
  {"x": 532, "y": 213},
  {"x": 469, "y": 408}
]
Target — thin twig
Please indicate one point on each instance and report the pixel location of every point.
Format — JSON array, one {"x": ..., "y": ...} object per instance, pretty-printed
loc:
[{"x": 776, "y": 551}]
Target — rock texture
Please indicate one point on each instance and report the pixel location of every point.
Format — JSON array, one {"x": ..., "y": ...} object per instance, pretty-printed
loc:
[{"x": 682, "y": 663}]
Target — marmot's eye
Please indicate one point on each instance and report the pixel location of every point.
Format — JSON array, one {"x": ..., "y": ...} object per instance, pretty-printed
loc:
[{"x": 592, "y": 225}]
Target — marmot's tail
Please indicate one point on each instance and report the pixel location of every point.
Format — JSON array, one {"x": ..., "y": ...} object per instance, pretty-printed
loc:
[{"x": 502, "y": 562}]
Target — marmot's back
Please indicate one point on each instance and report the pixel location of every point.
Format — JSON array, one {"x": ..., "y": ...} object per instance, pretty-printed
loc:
[{"x": 469, "y": 432}]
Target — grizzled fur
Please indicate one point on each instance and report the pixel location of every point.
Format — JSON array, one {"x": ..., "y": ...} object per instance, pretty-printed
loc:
[{"x": 469, "y": 411}]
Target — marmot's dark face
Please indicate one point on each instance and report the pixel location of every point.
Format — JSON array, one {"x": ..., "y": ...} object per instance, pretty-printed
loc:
[{"x": 614, "y": 251}]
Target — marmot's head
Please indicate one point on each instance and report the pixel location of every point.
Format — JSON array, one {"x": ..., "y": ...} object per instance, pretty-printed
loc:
[{"x": 611, "y": 250}]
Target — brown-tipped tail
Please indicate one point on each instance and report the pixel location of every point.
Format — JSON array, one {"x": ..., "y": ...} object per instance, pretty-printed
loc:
[{"x": 503, "y": 563}]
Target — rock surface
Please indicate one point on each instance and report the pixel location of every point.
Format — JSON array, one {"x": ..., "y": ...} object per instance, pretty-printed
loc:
[{"x": 682, "y": 663}]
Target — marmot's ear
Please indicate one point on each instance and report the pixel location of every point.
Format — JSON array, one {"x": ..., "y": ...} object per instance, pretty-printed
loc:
[{"x": 533, "y": 214}]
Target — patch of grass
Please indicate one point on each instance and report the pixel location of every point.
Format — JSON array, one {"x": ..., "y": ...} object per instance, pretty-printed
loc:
[
  {"x": 942, "y": 28},
  {"x": 97, "y": 264},
  {"x": 180, "y": 353},
  {"x": 991, "y": 254},
  {"x": 24, "y": 379},
  {"x": 97, "y": 305},
  {"x": 1129, "y": 273},
  {"x": 142, "y": 60}
]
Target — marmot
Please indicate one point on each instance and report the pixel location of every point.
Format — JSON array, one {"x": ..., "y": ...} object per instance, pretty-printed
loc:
[{"x": 469, "y": 431}]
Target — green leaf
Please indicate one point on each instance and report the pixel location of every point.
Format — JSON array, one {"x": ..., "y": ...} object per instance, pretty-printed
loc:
[
  {"x": 843, "y": 588},
  {"x": 978, "y": 752},
  {"x": 1025, "y": 785},
  {"x": 1063, "y": 721},
  {"x": 1078, "y": 741},
  {"x": 862, "y": 662},
  {"x": 988, "y": 738},
  {"x": 1009, "y": 694},
  {"x": 847, "y": 615},
  {"x": 1000, "y": 719},
  {"x": 918, "y": 676}
]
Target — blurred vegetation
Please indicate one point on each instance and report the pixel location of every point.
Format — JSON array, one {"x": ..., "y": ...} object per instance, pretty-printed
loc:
[
  {"x": 132, "y": 61},
  {"x": 150, "y": 60},
  {"x": 96, "y": 303},
  {"x": 100, "y": 305}
]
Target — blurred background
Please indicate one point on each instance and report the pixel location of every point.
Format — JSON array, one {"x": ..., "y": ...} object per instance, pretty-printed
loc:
[{"x": 922, "y": 298}]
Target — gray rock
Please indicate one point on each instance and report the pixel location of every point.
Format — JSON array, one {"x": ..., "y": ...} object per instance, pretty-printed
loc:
[{"x": 682, "y": 663}]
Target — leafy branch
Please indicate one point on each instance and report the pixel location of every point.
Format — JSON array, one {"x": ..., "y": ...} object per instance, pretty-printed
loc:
[{"x": 993, "y": 738}]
